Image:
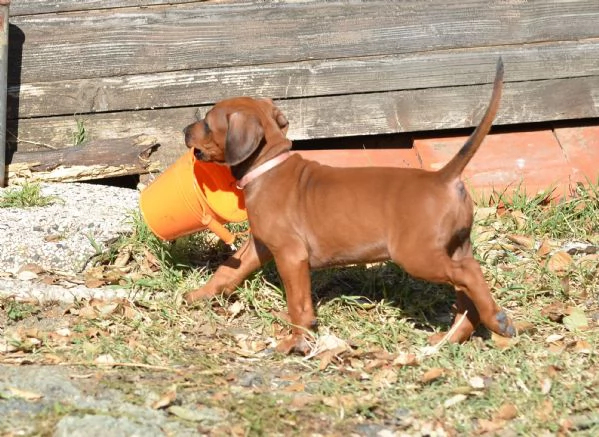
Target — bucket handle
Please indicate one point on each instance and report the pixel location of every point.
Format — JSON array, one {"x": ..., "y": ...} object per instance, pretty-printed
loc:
[{"x": 220, "y": 231}]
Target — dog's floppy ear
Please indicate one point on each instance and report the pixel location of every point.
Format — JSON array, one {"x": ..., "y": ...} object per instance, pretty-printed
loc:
[{"x": 243, "y": 137}]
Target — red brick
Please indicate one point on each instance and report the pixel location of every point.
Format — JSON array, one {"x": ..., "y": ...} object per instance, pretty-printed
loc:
[
  {"x": 581, "y": 148},
  {"x": 504, "y": 161},
  {"x": 364, "y": 157}
]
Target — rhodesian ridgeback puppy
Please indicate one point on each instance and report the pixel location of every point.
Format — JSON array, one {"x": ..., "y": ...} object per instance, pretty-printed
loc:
[{"x": 309, "y": 216}]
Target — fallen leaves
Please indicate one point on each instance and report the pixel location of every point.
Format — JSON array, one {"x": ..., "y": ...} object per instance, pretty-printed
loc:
[
  {"x": 559, "y": 263},
  {"x": 166, "y": 399},
  {"x": 523, "y": 241},
  {"x": 27, "y": 395},
  {"x": 575, "y": 320},
  {"x": 432, "y": 375},
  {"x": 505, "y": 413}
]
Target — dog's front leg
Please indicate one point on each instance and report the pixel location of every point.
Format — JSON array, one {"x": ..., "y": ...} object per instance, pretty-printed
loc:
[
  {"x": 249, "y": 257},
  {"x": 295, "y": 274}
]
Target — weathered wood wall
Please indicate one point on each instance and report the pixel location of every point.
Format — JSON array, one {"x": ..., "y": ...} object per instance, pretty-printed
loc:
[{"x": 337, "y": 68}]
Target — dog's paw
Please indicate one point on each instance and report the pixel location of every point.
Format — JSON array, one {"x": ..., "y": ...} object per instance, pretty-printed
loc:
[
  {"x": 294, "y": 343},
  {"x": 506, "y": 326}
]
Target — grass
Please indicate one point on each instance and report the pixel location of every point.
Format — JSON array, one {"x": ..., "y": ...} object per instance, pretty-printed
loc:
[
  {"x": 219, "y": 353},
  {"x": 27, "y": 195}
]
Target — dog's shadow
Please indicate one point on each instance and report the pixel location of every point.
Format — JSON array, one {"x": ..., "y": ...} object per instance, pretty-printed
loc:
[{"x": 426, "y": 305}]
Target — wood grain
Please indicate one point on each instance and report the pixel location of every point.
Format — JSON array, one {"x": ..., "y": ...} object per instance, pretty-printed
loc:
[
  {"x": 108, "y": 43},
  {"x": 304, "y": 79},
  {"x": 31, "y": 7},
  {"x": 345, "y": 115}
]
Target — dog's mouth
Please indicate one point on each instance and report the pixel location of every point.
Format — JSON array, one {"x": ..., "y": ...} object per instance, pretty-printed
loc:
[{"x": 199, "y": 155}]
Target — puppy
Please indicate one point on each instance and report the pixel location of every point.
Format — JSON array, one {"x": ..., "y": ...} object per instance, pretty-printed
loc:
[{"x": 309, "y": 216}]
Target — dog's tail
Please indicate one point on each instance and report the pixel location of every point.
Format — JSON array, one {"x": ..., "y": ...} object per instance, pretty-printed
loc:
[{"x": 455, "y": 167}]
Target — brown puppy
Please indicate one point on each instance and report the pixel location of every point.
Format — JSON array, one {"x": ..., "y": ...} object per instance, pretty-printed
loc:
[{"x": 307, "y": 215}]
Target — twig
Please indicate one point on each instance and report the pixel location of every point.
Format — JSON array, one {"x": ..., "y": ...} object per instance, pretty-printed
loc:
[
  {"x": 432, "y": 350},
  {"x": 35, "y": 143},
  {"x": 117, "y": 364}
]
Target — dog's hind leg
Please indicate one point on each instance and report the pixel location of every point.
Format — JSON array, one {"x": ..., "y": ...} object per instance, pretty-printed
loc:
[
  {"x": 465, "y": 322},
  {"x": 465, "y": 274},
  {"x": 249, "y": 257}
]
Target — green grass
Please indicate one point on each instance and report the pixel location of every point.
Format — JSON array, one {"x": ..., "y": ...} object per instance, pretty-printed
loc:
[
  {"x": 27, "y": 195},
  {"x": 80, "y": 134},
  {"x": 547, "y": 379}
]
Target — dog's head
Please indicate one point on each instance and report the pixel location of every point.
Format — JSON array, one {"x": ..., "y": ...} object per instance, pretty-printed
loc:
[{"x": 235, "y": 128}]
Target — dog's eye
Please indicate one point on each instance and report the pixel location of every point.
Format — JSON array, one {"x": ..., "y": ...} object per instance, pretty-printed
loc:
[{"x": 206, "y": 128}]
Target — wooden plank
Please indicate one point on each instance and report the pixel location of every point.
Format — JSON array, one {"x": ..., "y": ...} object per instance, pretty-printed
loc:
[
  {"x": 31, "y": 7},
  {"x": 208, "y": 35},
  {"x": 94, "y": 160},
  {"x": 345, "y": 115},
  {"x": 304, "y": 79}
]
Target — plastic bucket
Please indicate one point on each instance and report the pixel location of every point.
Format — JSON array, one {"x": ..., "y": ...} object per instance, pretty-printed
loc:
[{"x": 190, "y": 196}]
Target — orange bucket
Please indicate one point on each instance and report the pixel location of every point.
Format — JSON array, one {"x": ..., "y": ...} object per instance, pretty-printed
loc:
[{"x": 190, "y": 196}]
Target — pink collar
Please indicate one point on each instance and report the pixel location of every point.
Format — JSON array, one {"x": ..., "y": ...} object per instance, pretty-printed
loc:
[{"x": 261, "y": 169}]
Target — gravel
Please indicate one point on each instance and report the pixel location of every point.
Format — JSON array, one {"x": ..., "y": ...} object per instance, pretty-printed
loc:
[
  {"x": 93, "y": 410},
  {"x": 58, "y": 237}
]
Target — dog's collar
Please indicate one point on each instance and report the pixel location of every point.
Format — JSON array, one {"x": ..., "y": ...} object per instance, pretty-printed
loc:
[{"x": 261, "y": 169}]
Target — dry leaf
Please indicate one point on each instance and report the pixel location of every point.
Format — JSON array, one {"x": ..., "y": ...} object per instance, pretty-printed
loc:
[
  {"x": 130, "y": 313},
  {"x": 546, "y": 385},
  {"x": 544, "y": 413},
  {"x": 26, "y": 275},
  {"x": 555, "y": 311},
  {"x": 385, "y": 378},
  {"x": 405, "y": 359},
  {"x": 303, "y": 400},
  {"x": 454, "y": 400},
  {"x": 105, "y": 359},
  {"x": 327, "y": 357},
  {"x": 575, "y": 320},
  {"x": 153, "y": 263},
  {"x": 559, "y": 262},
  {"x": 589, "y": 261},
  {"x": 24, "y": 394},
  {"x": 64, "y": 332},
  {"x": 296, "y": 387},
  {"x": 31, "y": 267},
  {"x": 432, "y": 374},
  {"x": 523, "y": 326},
  {"x": 94, "y": 283},
  {"x": 583, "y": 347},
  {"x": 52, "y": 238},
  {"x": 544, "y": 249},
  {"x": 166, "y": 399},
  {"x": 554, "y": 338},
  {"x": 488, "y": 427},
  {"x": 234, "y": 309},
  {"x": 107, "y": 308},
  {"x": 519, "y": 217},
  {"x": 123, "y": 257},
  {"x": 88, "y": 312},
  {"x": 477, "y": 383},
  {"x": 483, "y": 213},
  {"x": 522, "y": 240},
  {"x": 507, "y": 412},
  {"x": 328, "y": 342},
  {"x": 501, "y": 342}
]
